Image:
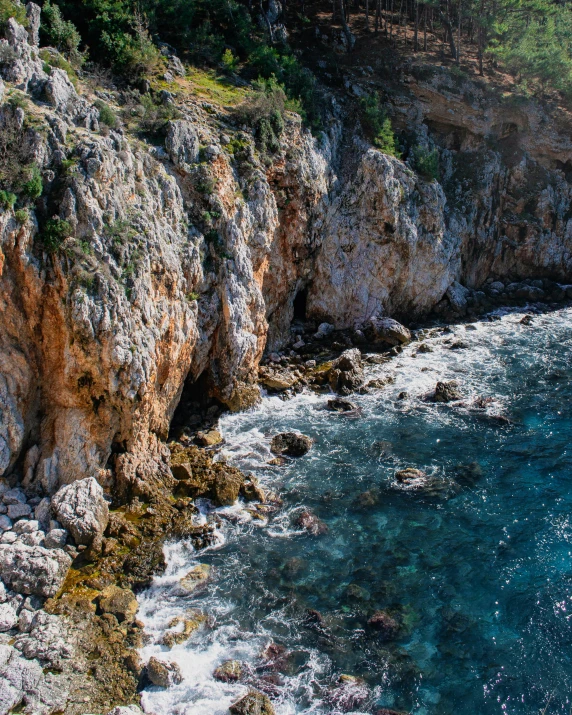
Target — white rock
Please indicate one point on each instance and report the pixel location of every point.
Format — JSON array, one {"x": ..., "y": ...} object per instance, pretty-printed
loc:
[
  {"x": 19, "y": 511},
  {"x": 56, "y": 539},
  {"x": 81, "y": 508},
  {"x": 8, "y": 617},
  {"x": 33, "y": 569},
  {"x": 8, "y": 537},
  {"x": 36, "y": 538},
  {"x": 26, "y": 527}
]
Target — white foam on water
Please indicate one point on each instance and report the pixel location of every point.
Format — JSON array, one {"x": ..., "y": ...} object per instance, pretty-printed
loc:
[{"x": 480, "y": 371}]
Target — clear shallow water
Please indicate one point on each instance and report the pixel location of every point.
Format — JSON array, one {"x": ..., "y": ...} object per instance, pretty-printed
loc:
[{"x": 479, "y": 574}]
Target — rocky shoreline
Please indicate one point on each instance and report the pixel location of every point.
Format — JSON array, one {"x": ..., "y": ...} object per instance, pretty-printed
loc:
[{"x": 71, "y": 565}]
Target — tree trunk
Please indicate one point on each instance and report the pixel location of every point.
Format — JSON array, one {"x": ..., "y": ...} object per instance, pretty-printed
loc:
[
  {"x": 449, "y": 34},
  {"x": 367, "y": 15},
  {"x": 346, "y": 30},
  {"x": 459, "y": 23},
  {"x": 425, "y": 28},
  {"x": 416, "y": 34}
]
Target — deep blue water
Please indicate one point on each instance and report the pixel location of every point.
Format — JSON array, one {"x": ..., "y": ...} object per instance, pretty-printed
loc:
[{"x": 478, "y": 573}]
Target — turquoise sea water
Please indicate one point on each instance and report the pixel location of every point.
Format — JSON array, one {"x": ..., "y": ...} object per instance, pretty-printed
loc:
[{"x": 476, "y": 571}]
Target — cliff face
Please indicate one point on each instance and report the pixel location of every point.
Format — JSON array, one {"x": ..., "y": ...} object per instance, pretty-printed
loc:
[{"x": 185, "y": 260}]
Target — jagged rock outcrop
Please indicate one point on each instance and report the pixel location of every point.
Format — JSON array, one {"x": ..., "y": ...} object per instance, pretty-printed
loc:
[{"x": 98, "y": 337}]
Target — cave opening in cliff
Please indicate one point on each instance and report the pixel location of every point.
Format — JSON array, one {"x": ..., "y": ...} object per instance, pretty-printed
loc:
[
  {"x": 300, "y": 301},
  {"x": 196, "y": 406}
]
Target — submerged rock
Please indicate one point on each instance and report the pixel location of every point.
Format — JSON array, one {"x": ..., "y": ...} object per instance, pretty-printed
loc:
[
  {"x": 311, "y": 523},
  {"x": 81, "y": 509},
  {"x": 183, "y": 627},
  {"x": 253, "y": 703},
  {"x": 163, "y": 673},
  {"x": 386, "y": 626},
  {"x": 411, "y": 477},
  {"x": 291, "y": 444},
  {"x": 350, "y": 693}
]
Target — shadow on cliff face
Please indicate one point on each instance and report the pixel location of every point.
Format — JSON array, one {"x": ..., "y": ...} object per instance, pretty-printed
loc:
[{"x": 196, "y": 408}]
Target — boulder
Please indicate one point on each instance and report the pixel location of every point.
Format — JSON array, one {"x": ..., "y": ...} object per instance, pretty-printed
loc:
[
  {"x": 81, "y": 509},
  {"x": 33, "y": 13},
  {"x": 182, "y": 142},
  {"x": 346, "y": 373},
  {"x": 195, "y": 579},
  {"x": 208, "y": 438},
  {"x": 120, "y": 602},
  {"x": 229, "y": 671},
  {"x": 8, "y": 617},
  {"x": 277, "y": 380},
  {"x": 457, "y": 295},
  {"x": 163, "y": 673},
  {"x": 253, "y": 703},
  {"x": 339, "y": 405},
  {"x": 33, "y": 570},
  {"x": 226, "y": 487},
  {"x": 389, "y": 331},
  {"x": 56, "y": 539},
  {"x": 291, "y": 444},
  {"x": 446, "y": 392}
]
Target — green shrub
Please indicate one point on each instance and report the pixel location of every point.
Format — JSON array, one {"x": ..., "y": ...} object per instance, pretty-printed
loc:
[
  {"x": 426, "y": 162},
  {"x": 9, "y": 9},
  {"x": 229, "y": 61},
  {"x": 377, "y": 124},
  {"x": 143, "y": 112},
  {"x": 34, "y": 186},
  {"x": 18, "y": 100},
  {"x": 192, "y": 297},
  {"x": 22, "y": 216},
  {"x": 55, "y": 232},
  {"x": 7, "y": 199},
  {"x": 106, "y": 114},
  {"x": 60, "y": 33},
  {"x": 264, "y": 111},
  {"x": 133, "y": 51}
]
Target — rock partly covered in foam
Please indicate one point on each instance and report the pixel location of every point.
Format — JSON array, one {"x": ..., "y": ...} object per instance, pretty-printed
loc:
[
  {"x": 346, "y": 373},
  {"x": 163, "y": 673},
  {"x": 291, "y": 444},
  {"x": 81, "y": 508},
  {"x": 253, "y": 703}
]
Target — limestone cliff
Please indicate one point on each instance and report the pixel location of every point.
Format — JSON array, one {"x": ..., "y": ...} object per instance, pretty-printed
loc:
[{"x": 184, "y": 260}]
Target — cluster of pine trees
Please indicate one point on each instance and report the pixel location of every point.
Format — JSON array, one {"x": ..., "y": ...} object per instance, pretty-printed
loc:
[{"x": 531, "y": 39}]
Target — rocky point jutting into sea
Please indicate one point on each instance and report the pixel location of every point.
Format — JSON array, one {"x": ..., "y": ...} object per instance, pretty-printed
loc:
[{"x": 191, "y": 273}]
